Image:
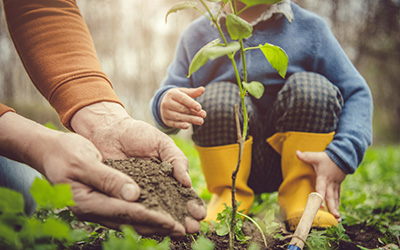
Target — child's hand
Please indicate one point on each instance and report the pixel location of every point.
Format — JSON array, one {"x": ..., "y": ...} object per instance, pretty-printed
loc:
[
  {"x": 329, "y": 178},
  {"x": 178, "y": 108}
]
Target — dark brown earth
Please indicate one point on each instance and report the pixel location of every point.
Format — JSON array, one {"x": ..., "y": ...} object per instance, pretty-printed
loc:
[{"x": 161, "y": 191}]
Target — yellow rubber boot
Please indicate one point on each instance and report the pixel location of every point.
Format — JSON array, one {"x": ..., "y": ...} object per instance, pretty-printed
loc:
[
  {"x": 217, "y": 164},
  {"x": 298, "y": 177}
]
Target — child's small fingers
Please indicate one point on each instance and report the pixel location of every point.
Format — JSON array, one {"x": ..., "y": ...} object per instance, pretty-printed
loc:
[
  {"x": 177, "y": 124},
  {"x": 202, "y": 113},
  {"x": 193, "y": 119},
  {"x": 187, "y": 101},
  {"x": 181, "y": 121}
]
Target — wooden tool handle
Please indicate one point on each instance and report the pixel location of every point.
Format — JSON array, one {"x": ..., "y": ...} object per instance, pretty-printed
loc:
[{"x": 303, "y": 228}]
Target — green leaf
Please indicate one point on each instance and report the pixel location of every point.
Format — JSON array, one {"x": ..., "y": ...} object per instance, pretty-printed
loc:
[
  {"x": 9, "y": 238},
  {"x": 204, "y": 227},
  {"x": 63, "y": 196},
  {"x": 131, "y": 240},
  {"x": 211, "y": 51},
  {"x": 277, "y": 57},
  {"x": 222, "y": 50},
  {"x": 203, "y": 244},
  {"x": 200, "y": 58},
  {"x": 255, "y": 88},
  {"x": 222, "y": 229},
  {"x": 270, "y": 224},
  {"x": 11, "y": 200},
  {"x": 254, "y": 246},
  {"x": 180, "y": 6},
  {"x": 42, "y": 192},
  {"x": 56, "y": 229},
  {"x": 257, "y": 2},
  {"x": 46, "y": 195},
  {"x": 238, "y": 28}
]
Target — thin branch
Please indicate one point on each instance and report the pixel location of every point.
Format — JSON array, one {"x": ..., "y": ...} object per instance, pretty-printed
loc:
[
  {"x": 234, "y": 174},
  {"x": 201, "y": 12}
]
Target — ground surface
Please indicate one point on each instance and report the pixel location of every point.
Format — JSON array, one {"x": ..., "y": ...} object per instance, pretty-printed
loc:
[{"x": 160, "y": 191}]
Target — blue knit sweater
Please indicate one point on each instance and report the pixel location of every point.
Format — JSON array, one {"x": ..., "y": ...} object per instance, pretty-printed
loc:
[{"x": 311, "y": 47}]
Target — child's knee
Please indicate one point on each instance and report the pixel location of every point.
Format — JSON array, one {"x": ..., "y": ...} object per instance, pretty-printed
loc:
[{"x": 308, "y": 102}]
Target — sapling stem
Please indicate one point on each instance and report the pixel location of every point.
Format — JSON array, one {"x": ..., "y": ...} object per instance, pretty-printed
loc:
[
  {"x": 234, "y": 174},
  {"x": 238, "y": 30},
  {"x": 201, "y": 12},
  {"x": 241, "y": 137}
]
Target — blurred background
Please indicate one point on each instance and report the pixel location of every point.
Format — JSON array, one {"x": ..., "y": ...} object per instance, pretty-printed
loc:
[{"x": 135, "y": 47}]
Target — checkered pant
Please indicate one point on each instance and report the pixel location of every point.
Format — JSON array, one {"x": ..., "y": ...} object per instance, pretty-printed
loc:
[{"x": 307, "y": 102}]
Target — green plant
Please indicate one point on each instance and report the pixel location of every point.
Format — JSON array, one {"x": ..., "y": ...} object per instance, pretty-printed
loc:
[
  {"x": 129, "y": 239},
  {"x": 202, "y": 243},
  {"x": 238, "y": 29},
  {"x": 327, "y": 239},
  {"x": 367, "y": 198},
  {"x": 222, "y": 225},
  {"x": 47, "y": 230}
]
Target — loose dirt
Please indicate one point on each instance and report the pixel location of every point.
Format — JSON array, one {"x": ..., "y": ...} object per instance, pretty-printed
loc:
[{"x": 159, "y": 189}]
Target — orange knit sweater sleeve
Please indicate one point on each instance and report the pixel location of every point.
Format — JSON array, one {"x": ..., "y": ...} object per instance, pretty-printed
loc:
[
  {"x": 57, "y": 51},
  {"x": 4, "y": 108}
]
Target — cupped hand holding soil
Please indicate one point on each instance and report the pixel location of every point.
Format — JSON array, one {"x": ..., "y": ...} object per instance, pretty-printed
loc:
[{"x": 160, "y": 191}]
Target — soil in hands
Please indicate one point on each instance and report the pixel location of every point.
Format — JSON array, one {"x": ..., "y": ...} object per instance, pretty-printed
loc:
[{"x": 160, "y": 191}]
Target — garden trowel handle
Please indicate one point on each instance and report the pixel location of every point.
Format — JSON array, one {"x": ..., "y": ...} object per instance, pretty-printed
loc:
[{"x": 314, "y": 202}]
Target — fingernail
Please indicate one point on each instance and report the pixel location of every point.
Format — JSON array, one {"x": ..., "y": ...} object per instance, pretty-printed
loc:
[{"x": 130, "y": 192}]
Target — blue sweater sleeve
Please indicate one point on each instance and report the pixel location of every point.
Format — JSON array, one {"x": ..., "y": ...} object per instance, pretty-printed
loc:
[{"x": 354, "y": 131}]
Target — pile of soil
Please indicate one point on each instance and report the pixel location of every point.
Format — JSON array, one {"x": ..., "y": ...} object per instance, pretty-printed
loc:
[{"x": 160, "y": 191}]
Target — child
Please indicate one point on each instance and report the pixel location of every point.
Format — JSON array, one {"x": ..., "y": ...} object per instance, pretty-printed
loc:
[{"x": 306, "y": 132}]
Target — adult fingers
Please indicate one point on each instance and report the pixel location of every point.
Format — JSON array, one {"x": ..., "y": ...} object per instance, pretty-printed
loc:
[
  {"x": 109, "y": 181},
  {"x": 95, "y": 206},
  {"x": 192, "y": 225},
  {"x": 169, "y": 152},
  {"x": 197, "y": 211}
]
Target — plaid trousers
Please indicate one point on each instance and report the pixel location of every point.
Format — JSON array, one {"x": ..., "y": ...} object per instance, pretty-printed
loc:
[{"x": 307, "y": 102}]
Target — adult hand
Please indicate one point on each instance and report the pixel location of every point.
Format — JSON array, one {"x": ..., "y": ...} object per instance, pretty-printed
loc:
[
  {"x": 178, "y": 108},
  {"x": 329, "y": 178},
  {"x": 101, "y": 193},
  {"x": 118, "y": 136}
]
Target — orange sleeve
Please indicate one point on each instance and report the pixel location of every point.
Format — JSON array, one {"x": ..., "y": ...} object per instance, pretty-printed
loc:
[
  {"x": 57, "y": 51},
  {"x": 4, "y": 108}
]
